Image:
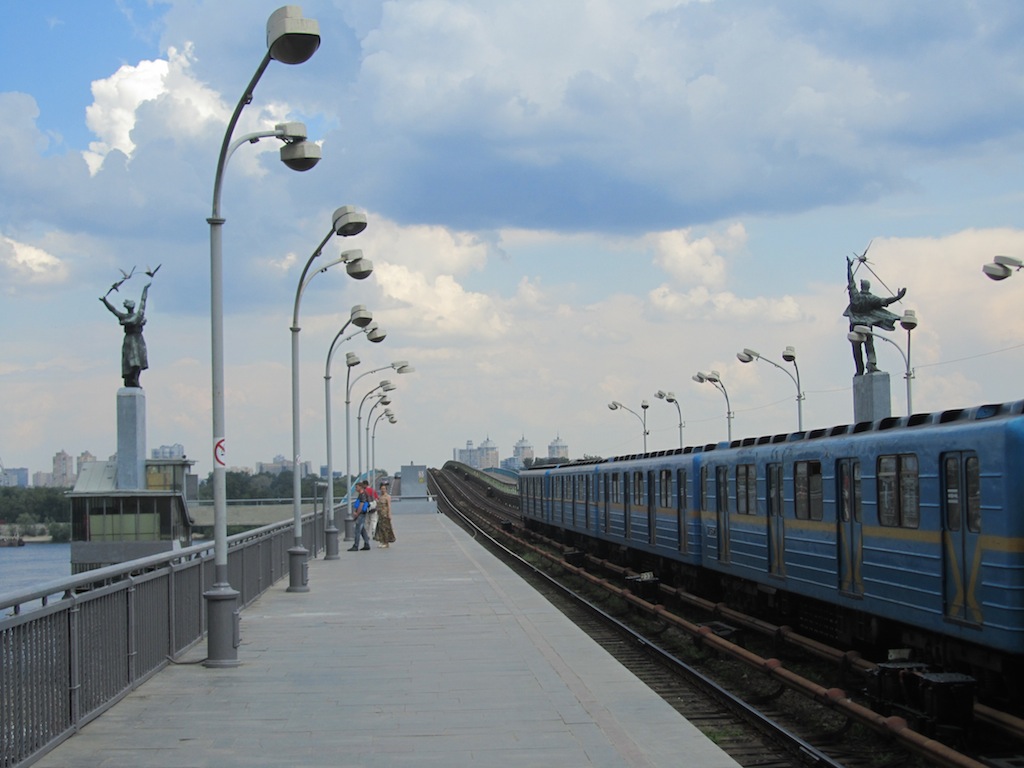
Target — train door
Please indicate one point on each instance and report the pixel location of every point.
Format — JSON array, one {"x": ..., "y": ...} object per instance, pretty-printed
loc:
[
  {"x": 652, "y": 506},
  {"x": 849, "y": 538},
  {"x": 961, "y": 516},
  {"x": 681, "y": 510},
  {"x": 722, "y": 511},
  {"x": 776, "y": 521}
]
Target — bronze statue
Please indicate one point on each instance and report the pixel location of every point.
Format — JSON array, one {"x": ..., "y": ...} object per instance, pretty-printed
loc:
[
  {"x": 867, "y": 309},
  {"x": 133, "y": 351}
]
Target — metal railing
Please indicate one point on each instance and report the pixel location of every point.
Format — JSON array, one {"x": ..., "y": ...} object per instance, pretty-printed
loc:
[{"x": 72, "y": 648}]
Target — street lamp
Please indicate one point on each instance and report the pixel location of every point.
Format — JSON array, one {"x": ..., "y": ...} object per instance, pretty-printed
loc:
[
  {"x": 385, "y": 386},
  {"x": 1002, "y": 267},
  {"x": 716, "y": 380},
  {"x": 371, "y": 471},
  {"x": 291, "y": 39},
  {"x": 644, "y": 405},
  {"x": 789, "y": 355},
  {"x": 670, "y": 397},
  {"x": 345, "y": 222},
  {"x": 909, "y": 323},
  {"x": 392, "y": 419},
  {"x": 358, "y": 315},
  {"x": 400, "y": 366}
]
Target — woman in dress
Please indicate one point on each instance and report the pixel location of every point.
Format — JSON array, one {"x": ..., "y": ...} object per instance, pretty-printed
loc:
[{"x": 385, "y": 533}]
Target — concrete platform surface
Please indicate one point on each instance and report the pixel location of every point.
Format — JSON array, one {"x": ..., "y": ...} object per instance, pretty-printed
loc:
[{"x": 428, "y": 653}]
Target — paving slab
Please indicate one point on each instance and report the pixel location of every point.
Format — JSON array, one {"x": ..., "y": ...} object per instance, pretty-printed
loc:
[{"x": 427, "y": 653}]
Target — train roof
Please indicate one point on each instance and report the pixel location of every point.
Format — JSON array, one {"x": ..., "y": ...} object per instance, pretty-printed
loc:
[{"x": 952, "y": 416}]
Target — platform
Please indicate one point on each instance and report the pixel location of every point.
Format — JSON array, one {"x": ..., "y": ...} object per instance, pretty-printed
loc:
[{"x": 429, "y": 653}]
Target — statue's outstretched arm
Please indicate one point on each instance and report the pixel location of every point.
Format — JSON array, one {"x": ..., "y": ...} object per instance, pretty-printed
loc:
[{"x": 142, "y": 301}]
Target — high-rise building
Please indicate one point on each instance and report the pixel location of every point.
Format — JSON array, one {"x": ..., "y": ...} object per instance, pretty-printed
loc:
[
  {"x": 64, "y": 474},
  {"x": 522, "y": 450},
  {"x": 484, "y": 457},
  {"x": 558, "y": 449},
  {"x": 83, "y": 458}
]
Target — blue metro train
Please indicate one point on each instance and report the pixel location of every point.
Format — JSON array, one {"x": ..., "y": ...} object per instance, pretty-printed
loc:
[{"x": 906, "y": 532}]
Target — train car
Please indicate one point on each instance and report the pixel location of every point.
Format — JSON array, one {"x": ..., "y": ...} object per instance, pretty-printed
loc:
[{"x": 906, "y": 531}]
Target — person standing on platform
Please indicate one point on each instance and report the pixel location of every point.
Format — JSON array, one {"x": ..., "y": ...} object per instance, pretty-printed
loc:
[
  {"x": 385, "y": 533},
  {"x": 359, "y": 511},
  {"x": 371, "y": 519}
]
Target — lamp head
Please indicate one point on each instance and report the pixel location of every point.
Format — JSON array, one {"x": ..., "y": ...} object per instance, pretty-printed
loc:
[
  {"x": 909, "y": 320},
  {"x": 670, "y": 397},
  {"x": 393, "y": 419},
  {"x": 385, "y": 400},
  {"x": 660, "y": 394},
  {"x": 996, "y": 271},
  {"x": 699, "y": 377},
  {"x": 713, "y": 376},
  {"x": 348, "y": 221},
  {"x": 862, "y": 329},
  {"x": 351, "y": 359},
  {"x": 644, "y": 405},
  {"x": 356, "y": 266},
  {"x": 292, "y": 39},
  {"x": 789, "y": 354},
  {"x": 406, "y": 368},
  {"x": 856, "y": 337},
  {"x": 376, "y": 334},
  {"x": 387, "y": 386},
  {"x": 360, "y": 316},
  {"x": 745, "y": 357},
  {"x": 613, "y": 405},
  {"x": 300, "y": 155}
]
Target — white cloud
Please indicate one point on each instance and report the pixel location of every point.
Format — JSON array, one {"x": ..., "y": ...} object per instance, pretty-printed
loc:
[{"x": 23, "y": 263}]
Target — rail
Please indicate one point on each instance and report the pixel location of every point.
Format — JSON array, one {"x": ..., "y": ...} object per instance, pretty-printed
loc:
[
  {"x": 504, "y": 485},
  {"x": 71, "y": 648}
]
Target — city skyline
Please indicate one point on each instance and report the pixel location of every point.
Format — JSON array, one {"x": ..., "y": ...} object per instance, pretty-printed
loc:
[{"x": 556, "y": 220}]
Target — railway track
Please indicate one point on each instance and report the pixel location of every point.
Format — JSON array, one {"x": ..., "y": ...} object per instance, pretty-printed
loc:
[{"x": 775, "y": 717}]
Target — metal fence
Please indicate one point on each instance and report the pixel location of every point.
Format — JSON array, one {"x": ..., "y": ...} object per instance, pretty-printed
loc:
[{"x": 72, "y": 648}]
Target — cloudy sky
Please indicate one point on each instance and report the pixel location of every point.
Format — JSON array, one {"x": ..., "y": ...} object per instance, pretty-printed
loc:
[{"x": 569, "y": 203}]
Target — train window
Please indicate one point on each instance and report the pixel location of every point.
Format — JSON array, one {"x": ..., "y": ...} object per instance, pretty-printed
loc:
[
  {"x": 910, "y": 509},
  {"x": 665, "y": 488},
  {"x": 807, "y": 490},
  {"x": 848, "y": 472},
  {"x": 773, "y": 496},
  {"x": 746, "y": 489},
  {"x": 703, "y": 488},
  {"x": 973, "y": 478},
  {"x": 951, "y": 469},
  {"x": 638, "y": 489},
  {"x": 898, "y": 491},
  {"x": 722, "y": 489},
  {"x": 616, "y": 489}
]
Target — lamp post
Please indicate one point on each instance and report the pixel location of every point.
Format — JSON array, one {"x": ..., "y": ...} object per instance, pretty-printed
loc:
[
  {"x": 384, "y": 400},
  {"x": 669, "y": 397},
  {"x": 374, "y": 334},
  {"x": 385, "y": 386},
  {"x": 1001, "y": 267},
  {"x": 716, "y": 380},
  {"x": 400, "y": 366},
  {"x": 345, "y": 222},
  {"x": 392, "y": 419},
  {"x": 909, "y": 323},
  {"x": 291, "y": 39},
  {"x": 644, "y": 405},
  {"x": 789, "y": 355}
]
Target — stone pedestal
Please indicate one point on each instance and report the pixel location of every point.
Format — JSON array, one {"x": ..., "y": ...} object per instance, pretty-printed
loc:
[
  {"x": 872, "y": 399},
  {"x": 131, "y": 439}
]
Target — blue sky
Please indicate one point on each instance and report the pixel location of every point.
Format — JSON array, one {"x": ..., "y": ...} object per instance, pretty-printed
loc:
[{"x": 569, "y": 204}]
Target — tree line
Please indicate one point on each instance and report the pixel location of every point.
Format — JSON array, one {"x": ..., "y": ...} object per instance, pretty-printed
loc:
[{"x": 47, "y": 511}]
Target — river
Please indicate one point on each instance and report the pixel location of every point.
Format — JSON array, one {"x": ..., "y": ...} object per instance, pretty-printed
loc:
[{"x": 22, "y": 568}]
